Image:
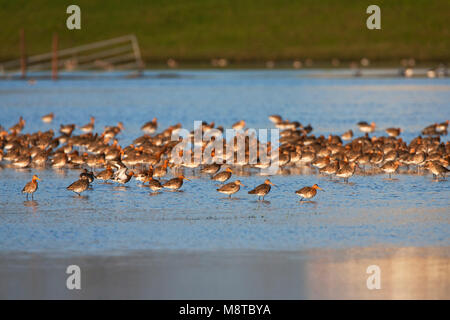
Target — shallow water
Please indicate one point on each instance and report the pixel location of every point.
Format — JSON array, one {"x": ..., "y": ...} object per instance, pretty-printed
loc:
[{"x": 409, "y": 211}]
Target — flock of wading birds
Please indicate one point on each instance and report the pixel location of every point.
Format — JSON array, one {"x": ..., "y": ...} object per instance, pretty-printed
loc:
[{"x": 150, "y": 154}]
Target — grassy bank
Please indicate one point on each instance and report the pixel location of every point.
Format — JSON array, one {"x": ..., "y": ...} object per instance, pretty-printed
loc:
[{"x": 239, "y": 30}]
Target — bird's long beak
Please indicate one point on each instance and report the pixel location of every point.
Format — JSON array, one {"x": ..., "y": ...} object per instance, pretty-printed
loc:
[
  {"x": 187, "y": 179},
  {"x": 320, "y": 189},
  {"x": 37, "y": 178}
]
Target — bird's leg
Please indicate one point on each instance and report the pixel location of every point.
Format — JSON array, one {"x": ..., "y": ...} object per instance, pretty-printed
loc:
[
  {"x": 27, "y": 196},
  {"x": 389, "y": 176},
  {"x": 32, "y": 197}
]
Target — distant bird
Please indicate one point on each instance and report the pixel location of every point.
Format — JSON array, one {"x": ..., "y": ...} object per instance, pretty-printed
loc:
[
  {"x": 210, "y": 168},
  {"x": 346, "y": 170},
  {"x": 47, "y": 118},
  {"x": 262, "y": 189},
  {"x": 161, "y": 171},
  {"x": 175, "y": 183},
  {"x": 239, "y": 125},
  {"x": 365, "y": 127},
  {"x": 67, "y": 129},
  {"x": 151, "y": 126},
  {"x": 275, "y": 118},
  {"x": 390, "y": 167},
  {"x": 154, "y": 184},
  {"x": 230, "y": 188},
  {"x": 31, "y": 186},
  {"x": 105, "y": 174},
  {"x": 88, "y": 127},
  {"x": 393, "y": 132},
  {"x": 223, "y": 176},
  {"x": 308, "y": 192},
  {"x": 88, "y": 174},
  {"x": 121, "y": 176},
  {"x": 348, "y": 135},
  {"x": 79, "y": 186},
  {"x": 436, "y": 169}
]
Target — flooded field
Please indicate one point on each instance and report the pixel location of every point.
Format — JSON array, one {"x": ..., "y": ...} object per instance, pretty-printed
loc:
[{"x": 198, "y": 227}]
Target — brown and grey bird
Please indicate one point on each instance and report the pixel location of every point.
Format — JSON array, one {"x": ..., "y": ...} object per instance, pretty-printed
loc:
[
  {"x": 393, "y": 132},
  {"x": 348, "y": 135},
  {"x": 88, "y": 127},
  {"x": 308, "y": 192},
  {"x": 105, "y": 174},
  {"x": 175, "y": 183},
  {"x": 80, "y": 185},
  {"x": 210, "y": 168},
  {"x": 390, "y": 167},
  {"x": 154, "y": 184},
  {"x": 67, "y": 129},
  {"x": 346, "y": 170},
  {"x": 262, "y": 189},
  {"x": 161, "y": 171},
  {"x": 223, "y": 176},
  {"x": 31, "y": 186},
  {"x": 275, "y": 118},
  {"x": 239, "y": 125},
  {"x": 47, "y": 118},
  {"x": 121, "y": 176},
  {"x": 230, "y": 188},
  {"x": 365, "y": 127},
  {"x": 436, "y": 169},
  {"x": 88, "y": 174},
  {"x": 150, "y": 126}
]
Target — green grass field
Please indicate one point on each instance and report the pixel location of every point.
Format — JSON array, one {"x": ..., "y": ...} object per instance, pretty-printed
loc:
[{"x": 240, "y": 30}]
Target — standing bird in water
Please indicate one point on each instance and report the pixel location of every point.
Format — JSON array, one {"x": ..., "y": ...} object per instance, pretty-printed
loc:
[
  {"x": 223, "y": 176},
  {"x": 365, "y": 127},
  {"x": 88, "y": 174},
  {"x": 47, "y": 118},
  {"x": 308, "y": 192},
  {"x": 230, "y": 188},
  {"x": 80, "y": 185},
  {"x": 105, "y": 174},
  {"x": 88, "y": 127},
  {"x": 175, "y": 183},
  {"x": 150, "y": 126},
  {"x": 390, "y": 167},
  {"x": 262, "y": 189},
  {"x": 31, "y": 186},
  {"x": 346, "y": 170},
  {"x": 153, "y": 184},
  {"x": 436, "y": 169},
  {"x": 121, "y": 176}
]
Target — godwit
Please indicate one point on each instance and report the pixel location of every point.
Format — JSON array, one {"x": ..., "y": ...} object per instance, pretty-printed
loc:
[
  {"x": 262, "y": 189},
  {"x": 47, "y": 118},
  {"x": 31, "y": 186},
  {"x": 390, "y": 167},
  {"x": 223, "y": 176},
  {"x": 308, "y": 192},
  {"x": 151, "y": 126},
  {"x": 175, "y": 183},
  {"x": 230, "y": 188},
  {"x": 436, "y": 169},
  {"x": 79, "y": 186}
]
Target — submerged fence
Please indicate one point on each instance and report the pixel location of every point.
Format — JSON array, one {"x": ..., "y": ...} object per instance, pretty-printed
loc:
[{"x": 122, "y": 53}]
